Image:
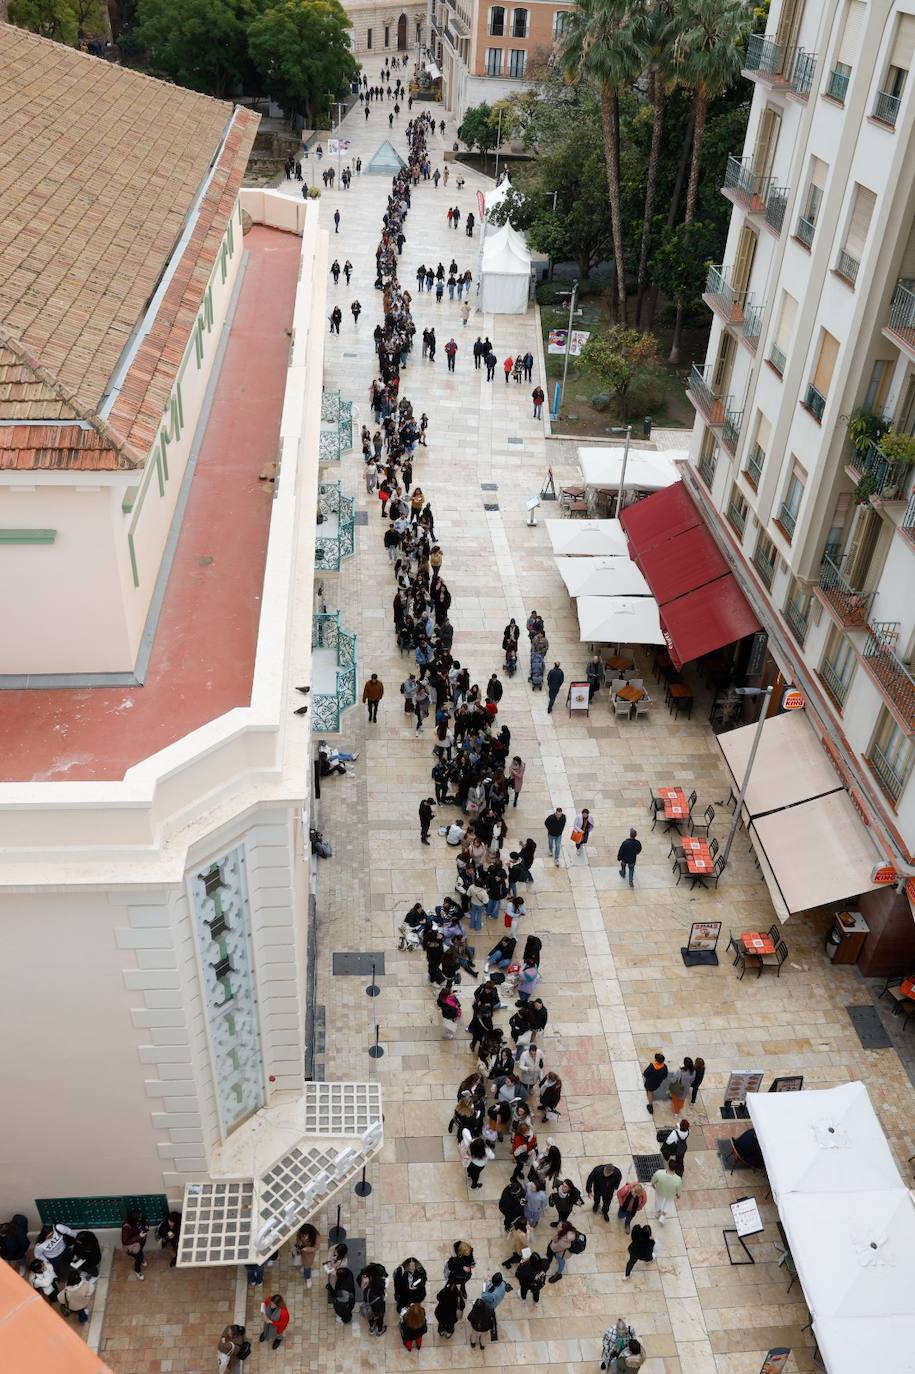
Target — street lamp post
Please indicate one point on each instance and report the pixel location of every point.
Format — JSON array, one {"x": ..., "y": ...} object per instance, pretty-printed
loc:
[
  {"x": 498, "y": 146},
  {"x": 565, "y": 366},
  {"x": 619, "y": 494},
  {"x": 766, "y": 694}
]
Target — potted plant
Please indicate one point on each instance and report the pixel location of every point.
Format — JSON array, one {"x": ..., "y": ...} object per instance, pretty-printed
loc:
[
  {"x": 897, "y": 447},
  {"x": 866, "y": 488},
  {"x": 864, "y": 428}
]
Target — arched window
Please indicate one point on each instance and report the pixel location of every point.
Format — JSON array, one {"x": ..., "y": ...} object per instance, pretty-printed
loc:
[
  {"x": 519, "y": 23},
  {"x": 497, "y": 21}
]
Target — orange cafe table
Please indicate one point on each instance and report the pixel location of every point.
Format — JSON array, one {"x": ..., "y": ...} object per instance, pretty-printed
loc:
[
  {"x": 698, "y": 855},
  {"x": 676, "y": 807},
  {"x": 631, "y": 694},
  {"x": 757, "y": 942}
]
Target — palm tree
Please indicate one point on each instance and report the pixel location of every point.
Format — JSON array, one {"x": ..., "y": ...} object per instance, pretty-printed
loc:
[
  {"x": 656, "y": 34},
  {"x": 601, "y": 45},
  {"x": 707, "y": 55}
]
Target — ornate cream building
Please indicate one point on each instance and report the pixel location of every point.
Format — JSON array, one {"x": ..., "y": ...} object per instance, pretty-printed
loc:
[{"x": 380, "y": 29}]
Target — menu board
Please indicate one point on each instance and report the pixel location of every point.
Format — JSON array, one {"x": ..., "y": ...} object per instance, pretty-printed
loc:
[
  {"x": 704, "y": 934},
  {"x": 775, "y": 1360},
  {"x": 746, "y": 1216},
  {"x": 741, "y": 1082},
  {"x": 579, "y": 697}
]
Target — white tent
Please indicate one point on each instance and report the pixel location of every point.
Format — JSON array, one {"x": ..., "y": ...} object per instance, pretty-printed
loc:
[
  {"x": 587, "y": 538},
  {"x": 848, "y": 1343},
  {"x": 497, "y": 194},
  {"x": 645, "y": 470},
  {"x": 505, "y": 273},
  {"x": 618, "y": 620},
  {"x": 822, "y": 1141},
  {"x": 607, "y": 576}
]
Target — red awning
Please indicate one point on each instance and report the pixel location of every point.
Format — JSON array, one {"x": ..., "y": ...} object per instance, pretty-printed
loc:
[{"x": 702, "y": 607}]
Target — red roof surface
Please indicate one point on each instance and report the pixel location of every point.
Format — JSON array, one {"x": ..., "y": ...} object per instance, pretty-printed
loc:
[
  {"x": 659, "y": 517},
  {"x": 202, "y": 661},
  {"x": 707, "y": 619},
  {"x": 34, "y": 1339}
]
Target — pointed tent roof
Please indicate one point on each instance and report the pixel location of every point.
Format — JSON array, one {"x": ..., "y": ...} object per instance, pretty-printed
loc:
[
  {"x": 387, "y": 161},
  {"x": 506, "y": 252}
]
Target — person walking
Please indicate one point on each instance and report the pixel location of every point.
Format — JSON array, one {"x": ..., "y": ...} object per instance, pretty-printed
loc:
[
  {"x": 531, "y": 1276},
  {"x": 561, "y": 1246},
  {"x": 516, "y": 777},
  {"x": 276, "y": 1319},
  {"x": 426, "y": 817},
  {"x": 372, "y": 693},
  {"x": 641, "y": 1247},
  {"x": 335, "y": 272},
  {"x": 449, "y": 1305},
  {"x": 667, "y": 1185},
  {"x": 475, "y": 1155},
  {"x": 465, "y": 312},
  {"x": 336, "y": 215},
  {"x": 527, "y": 362},
  {"x": 653, "y": 1075},
  {"x": 413, "y": 1326},
  {"x": 538, "y": 399},
  {"x": 456, "y": 217},
  {"x": 627, "y": 854},
  {"x": 698, "y": 1077},
  {"x": 481, "y": 1319},
  {"x": 490, "y": 360},
  {"x": 602, "y": 1183},
  {"x": 632, "y": 1197},
  {"x": 336, "y": 317},
  {"x": 451, "y": 352},
  {"x": 342, "y": 1291},
  {"x": 679, "y": 1084},
  {"x": 305, "y": 1247},
  {"x": 229, "y": 1346},
  {"x": 581, "y": 829},
  {"x": 449, "y": 1009},
  {"x": 555, "y": 824},
  {"x": 554, "y": 680},
  {"x": 508, "y": 367},
  {"x": 675, "y": 1145},
  {"x": 356, "y": 308}
]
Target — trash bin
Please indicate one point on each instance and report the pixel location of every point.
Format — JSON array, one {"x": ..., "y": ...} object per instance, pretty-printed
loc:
[{"x": 646, "y": 427}]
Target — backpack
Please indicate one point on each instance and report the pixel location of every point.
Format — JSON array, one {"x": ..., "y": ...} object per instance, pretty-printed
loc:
[
  {"x": 579, "y": 1244},
  {"x": 244, "y": 1350}
]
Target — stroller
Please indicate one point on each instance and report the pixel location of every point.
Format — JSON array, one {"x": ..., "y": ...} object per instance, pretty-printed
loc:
[
  {"x": 511, "y": 660},
  {"x": 536, "y": 677}
]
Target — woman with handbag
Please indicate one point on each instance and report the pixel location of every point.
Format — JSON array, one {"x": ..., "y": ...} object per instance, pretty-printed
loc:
[{"x": 581, "y": 829}]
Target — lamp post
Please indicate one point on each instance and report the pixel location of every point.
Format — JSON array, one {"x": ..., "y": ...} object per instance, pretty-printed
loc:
[
  {"x": 498, "y": 146},
  {"x": 565, "y": 366},
  {"x": 619, "y": 495},
  {"x": 555, "y": 195},
  {"x": 765, "y": 693}
]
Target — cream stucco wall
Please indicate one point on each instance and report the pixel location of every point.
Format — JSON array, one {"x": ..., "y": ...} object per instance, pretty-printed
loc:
[{"x": 379, "y": 17}]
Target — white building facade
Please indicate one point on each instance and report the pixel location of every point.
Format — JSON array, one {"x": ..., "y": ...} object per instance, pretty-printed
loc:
[{"x": 813, "y": 323}]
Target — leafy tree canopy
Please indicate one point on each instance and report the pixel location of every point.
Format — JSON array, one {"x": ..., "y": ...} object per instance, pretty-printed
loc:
[
  {"x": 201, "y": 44},
  {"x": 480, "y": 127},
  {"x": 66, "y": 21},
  {"x": 679, "y": 266},
  {"x": 616, "y": 357},
  {"x": 301, "y": 51}
]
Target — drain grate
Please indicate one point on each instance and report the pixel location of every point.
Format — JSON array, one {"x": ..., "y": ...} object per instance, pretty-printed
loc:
[
  {"x": 489, "y": 486},
  {"x": 490, "y": 505},
  {"x": 514, "y": 440},
  {"x": 646, "y": 1165},
  {"x": 351, "y": 355},
  {"x": 362, "y": 517},
  {"x": 870, "y": 1029},
  {"x": 349, "y": 965}
]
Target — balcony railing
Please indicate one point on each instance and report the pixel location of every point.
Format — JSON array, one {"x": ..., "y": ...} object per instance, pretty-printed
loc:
[
  {"x": 754, "y": 467},
  {"x": 787, "y": 518},
  {"x": 802, "y": 72},
  {"x": 886, "y": 108},
  {"x": 837, "y": 85},
  {"x": 889, "y": 671},
  {"x": 776, "y": 203},
  {"x": 335, "y": 537},
  {"x": 765, "y": 565},
  {"x": 738, "y": 516},
  {"x": 805, "y": 230},
  {"x": 851, "y": 605},
  {"x": 764, "y": 55},
  {"x": 752, "y": 323},
  {"x": 907, "y": 524},
  {"x": 746, "y": 186},
  {"x": 797, "y": 618},
  {"x": 847, "y": 266},
  {"x": 700, "y": 388},
  {"x": 815, "y": 402},
  {"x": 837, "y": 685},
  {"x": 723, "y": 296},
  {"x": 902, "y": 314},
  {"x": 886, "y": 479},
  {"x": 730, "y": 430},
  {"x": 778, "y": 359},
  {"x": 333, "y": 653},
  {"x": 887, "y": 775},
  {"x": 706, "y": 466}
]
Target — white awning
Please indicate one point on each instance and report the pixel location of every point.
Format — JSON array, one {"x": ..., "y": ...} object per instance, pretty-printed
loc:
[
  {"x": 645, "y": 470},
  {"x": 791, "y": 765},
  {"x": 604, "y": 576},
  {"x": 618, "y": 620},
  {"x": 849, "y": 1345},
  {"x": 496, "y": 194},
  {"x": 822, "y": 1141},
  {"x": 587, "y": 538},
  {"x": 817, "y": 852}
]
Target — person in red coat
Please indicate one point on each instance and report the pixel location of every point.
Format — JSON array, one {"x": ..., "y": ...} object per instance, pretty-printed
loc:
[{"x": 276, "y": 1319}]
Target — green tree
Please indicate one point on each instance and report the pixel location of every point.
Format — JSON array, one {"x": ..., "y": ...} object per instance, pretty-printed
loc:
[
  {"x": 55, "y": 19},
  {"x": 600, "y": 46},
  {"x": 201, "y": 44},
  {"x": 616, "y": 358},
  {"x": 656, "y": 34},
  {"x": 479, "y": 128},
  {"x": 679, "y": 265},
  {"x": 301, "y": 50}
]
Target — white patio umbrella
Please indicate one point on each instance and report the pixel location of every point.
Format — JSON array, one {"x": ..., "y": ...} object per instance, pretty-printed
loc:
[
  {"x": 587, "y": 538},
  {"x": 618, "y": 620}
]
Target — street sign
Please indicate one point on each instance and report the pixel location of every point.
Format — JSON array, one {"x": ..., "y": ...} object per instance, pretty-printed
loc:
[
  {"x": 793, "y": 699},
  {"x": 883, "y": 873}
]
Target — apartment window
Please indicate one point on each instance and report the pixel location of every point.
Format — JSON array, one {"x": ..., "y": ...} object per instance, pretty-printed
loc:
[
  {"x": 765, "y": 558},
  {"x": 838, "y": 666},
  {"x": 493, "y": 61},
  {"x": 797, "y": 610},
  {"x": 784, "y": 333},
  {"x": 847, "y": 51},
  {"x": 497, "y": 21},
  {"x": 818, "y": 390},
  {"x": 387, "y": 35},
  {"x": 789, "y": 23},
  {"x": 906, "y": 421},
  {"x": 738, "y": 510},
  {"x": 368, "y": 39},
  {"x": 812, "y": 201},
  {"x": 519, "y": 23},
  {"x": 756, "y": 456},
  {"x": 743, "y": 263},
  {"x": 419, "y": 32},
  {"x": 764, "y": 151},
  {"x": 517, "y": 61},
  {"x": 560, "y": 23},
  {"x": 891, "y": 755},
  {"x": 886, "y": 106},
  {"x": 791, "y": 503},
  {"x": 852, "y": 250},
  {"x": 708, "y": 458},
  {"x": 880, "y": 376}
]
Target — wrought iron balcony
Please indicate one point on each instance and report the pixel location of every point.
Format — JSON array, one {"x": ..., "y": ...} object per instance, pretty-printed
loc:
[
  {"x": 837, "y": 85},
  {"x": 776, "y": 204},
  {"x": 745, "y": 186},
  {"x": 886, "y": 108},
  {"x": 335, "y": 537},
  {"x": 907, "y": 524},
  {"x": 850, "y": 605},
  {"x": 815, "y": 402},
  {"x": 764, "y": 563},
  {"x": 890, "y": 779},
  {"x": 889, "y": 671},
  {"x": 787, "y": 519},
  {"x": 345, "y": 425},
  {"x": 721, "y": 295},
  {"x": 764, "y": 55},
  {"x": 703, "y": 395},
  {"x": 902, "y": 314},
  {"x": 738, "y": 516},
  {"x": 805, "y": 231},
  {"x": 730, "y": 430},
  {"x": 754, "y": 467},
  {"x": 333, "y": 657},
  {"x": 798, "y": 619},
  {"x": 778, "y": 359},
  {"x": 802, "y": 72},
  {"x": 706, "y": 467},
  {"x": 836, "y": 685},
  {"x": 847, "y": 266},
  {"x": 752, "y": 322},
  {"x": 886, "y": 479}
]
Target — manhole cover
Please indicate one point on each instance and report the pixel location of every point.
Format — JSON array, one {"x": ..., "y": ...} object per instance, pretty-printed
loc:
[
  {"x": 871, "y": 1032},
  {"x": 362, "y": 517},
  {"x": 357, "y": 964},
  {"x": 489, "y": 486},
  {"x": 513, "y": 440},
  {"x": 646, "y": 1165},
  {"x": 490, "y": 505}
]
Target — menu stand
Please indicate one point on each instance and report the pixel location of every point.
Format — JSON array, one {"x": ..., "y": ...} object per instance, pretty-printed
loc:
[{"x": 747, "y": 1222}]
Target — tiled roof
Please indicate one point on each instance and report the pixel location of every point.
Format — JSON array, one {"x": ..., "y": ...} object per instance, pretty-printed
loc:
[{"x": 99, "y": 168}]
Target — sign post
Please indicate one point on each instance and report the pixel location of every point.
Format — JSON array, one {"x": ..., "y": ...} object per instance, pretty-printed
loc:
[
  {"x": 703, "y": 940},
  {"x": 740, "y": 1082},
  {"x": 747, "y": 1222},
  {"x": 578, "y": 697}
]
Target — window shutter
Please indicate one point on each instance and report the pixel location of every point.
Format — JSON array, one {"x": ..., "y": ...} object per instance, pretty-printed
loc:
[
  {"x": 763, "y": 431},
  {"x": 785, "y": 331},
  {"x": 904, "y": 46},
  {"x": 829, "y": 351},
  {"x": 862, "y": 210},
  {"x": 850, "y": 43}
]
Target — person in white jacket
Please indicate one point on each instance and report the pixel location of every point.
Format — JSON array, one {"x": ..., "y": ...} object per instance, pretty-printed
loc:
[
  {"x": 583, "y": 825},
  {"x": 42, "y": 1278},
  {"x": 530, "y": 1066},
  {"x": 475, "y": 1154}
]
